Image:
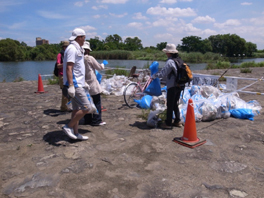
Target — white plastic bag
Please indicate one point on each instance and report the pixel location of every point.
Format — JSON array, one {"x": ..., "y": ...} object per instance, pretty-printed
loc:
[{"x": 153, "y": 118}]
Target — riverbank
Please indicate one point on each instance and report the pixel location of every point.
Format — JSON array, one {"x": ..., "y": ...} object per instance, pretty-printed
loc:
[{"x": 124, "y": 158}]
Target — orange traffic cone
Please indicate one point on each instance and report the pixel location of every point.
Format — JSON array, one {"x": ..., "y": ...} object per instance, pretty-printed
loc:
[
  {"x": 40, "y": 85},
  {"x": 189, "y": 137}
]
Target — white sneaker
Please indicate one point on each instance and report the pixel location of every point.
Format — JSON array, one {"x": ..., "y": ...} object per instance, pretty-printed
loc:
[
  {"x": 82, "y": 137},
  {"x": 69, "y": 132},
  {"x": 102, "y": 123}
]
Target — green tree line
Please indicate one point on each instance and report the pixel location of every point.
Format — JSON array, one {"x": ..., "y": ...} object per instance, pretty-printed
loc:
[
  {"x": 230, "y": 45},
  {"x": 113, "y": 47}
]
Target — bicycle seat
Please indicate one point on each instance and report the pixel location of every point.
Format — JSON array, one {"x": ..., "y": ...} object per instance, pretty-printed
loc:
[{"x": 135, "y": 75}]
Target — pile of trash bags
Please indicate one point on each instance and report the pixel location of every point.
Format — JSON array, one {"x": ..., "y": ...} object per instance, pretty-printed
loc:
[
  {"x": 209, "y": 104},
  {"x": 115, "y": 85}
]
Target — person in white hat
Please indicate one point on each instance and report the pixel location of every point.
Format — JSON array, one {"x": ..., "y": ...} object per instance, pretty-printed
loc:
[
  {"x": 95, "y": 88},
  {"x": 74, "y": 81},
  {"x": 169, "y": 73}
]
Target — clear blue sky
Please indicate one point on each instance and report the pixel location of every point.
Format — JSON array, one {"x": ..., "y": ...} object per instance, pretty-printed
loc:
[{"x": 153, "y": 21}]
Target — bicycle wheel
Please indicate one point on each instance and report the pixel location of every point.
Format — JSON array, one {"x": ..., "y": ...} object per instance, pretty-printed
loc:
[{"x": 131, "y": 92}]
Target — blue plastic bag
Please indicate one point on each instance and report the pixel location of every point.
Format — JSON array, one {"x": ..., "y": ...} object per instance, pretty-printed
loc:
[
  {"x": 98, "y": 76},
  {"x": 154, "y": 88},
  {"x": 105, "y": 62},
  {"x": 154, "y": 67},
  {"x": 164, "y": 88},
  {"x": 144, "y": 102},
  {"x": 242, "y": 113}
]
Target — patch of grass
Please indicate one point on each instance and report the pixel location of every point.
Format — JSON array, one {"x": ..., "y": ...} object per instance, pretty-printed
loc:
[
  {"x": 117, "y": 71},
  {"x": 4, "y": 80},
  {"x": 245, "y": 70},
  {"x": 18, "y": 79},
  {"x": 144, "y": 114},
  {"x": 163, "y": 115},
  {"x": 114, "y": 54},
  {"x": 216, "y": 73},
  {"x": 248, "y": 64},
  {"x": 222, "y": 79},
  {"x": 53, "y": 80}
]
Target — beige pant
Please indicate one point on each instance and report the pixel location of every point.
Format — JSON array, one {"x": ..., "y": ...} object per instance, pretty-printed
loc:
[{"x": 64, "y": 100}]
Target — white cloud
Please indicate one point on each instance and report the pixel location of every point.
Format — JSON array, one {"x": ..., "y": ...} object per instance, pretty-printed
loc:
[
  {"x": 96, "y": 16},
  {"x": 50, "y": 15},
  {"x": 100, "y": 7},
  {"x": 8, "y": 3},
  {"x": 187, "y": 0},
  {"x": 190, "y": 28},
  {"x": 135, "y": 25},
  {"x": 78, "y": 3},
  {"x": 255, "y": 21},
  {"x": 202, "y": 19},
  {"x": 165, "y": 37},
  {"x": 168, "y": 1},
  {"x": 209, "y": 32},
  {"x": 246, "y": 3},
  {"x": 118, "y": 16},
  {"x": 228, "y": 23},
  {"x": 177, "y": 12},
  {"x": 143, "y": 1},
  {"x": 17, "y": 25},
  {"x": 162, "y": 22},
  {"x": 139, "y": 16},
  {"x": 114, "y": 1},
  {"x": 88, "y": 29}
]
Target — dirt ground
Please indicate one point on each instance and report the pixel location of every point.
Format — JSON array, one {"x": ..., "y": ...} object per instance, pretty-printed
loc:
[{"x": 124, "y": 158}]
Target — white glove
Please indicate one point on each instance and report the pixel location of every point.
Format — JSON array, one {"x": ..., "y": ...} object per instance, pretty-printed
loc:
[
  {"x": 71, "y": 91},
  {"x": 102, "y": 64},
  {"x": 86, "y": 86}
]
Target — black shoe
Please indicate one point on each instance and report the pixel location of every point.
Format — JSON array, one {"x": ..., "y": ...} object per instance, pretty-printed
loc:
[{"x": 165, "y": 126}]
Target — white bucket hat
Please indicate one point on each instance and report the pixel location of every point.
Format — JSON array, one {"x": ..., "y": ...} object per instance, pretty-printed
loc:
[
  {"x": 77, "y": 32},
  {"x": 170, "y": 48},
  {"x": 86, "y": 45}
]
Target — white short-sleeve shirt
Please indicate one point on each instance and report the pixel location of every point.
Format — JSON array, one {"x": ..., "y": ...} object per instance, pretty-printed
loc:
[{"x": 72, "y": 55}]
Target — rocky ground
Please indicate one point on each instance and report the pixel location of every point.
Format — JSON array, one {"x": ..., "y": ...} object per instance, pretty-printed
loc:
[{"x": 124, "y": 158}]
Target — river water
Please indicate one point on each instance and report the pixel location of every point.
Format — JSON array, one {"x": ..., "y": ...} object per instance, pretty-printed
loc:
[{"x": 29, "y": 70}]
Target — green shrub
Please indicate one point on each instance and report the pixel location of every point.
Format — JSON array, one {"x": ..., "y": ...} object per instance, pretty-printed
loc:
[
  {"x": 245, "y": 70},
  {"x": 144, "y": 114},
  {"x": 222, "y": 79},
  {"x": 261, "y": 64},
  {"x": 114, "y": 54},
  {"x": 248, "y": 64},
  {"x": 53, "y": 80},
  {"x": 222, "y": 65},
  {"x": 18, "y": 79},
  {"x": 117, "y": 71}
]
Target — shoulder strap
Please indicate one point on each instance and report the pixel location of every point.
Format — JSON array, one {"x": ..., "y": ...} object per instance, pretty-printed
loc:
[{"x": 62, "y": 56}]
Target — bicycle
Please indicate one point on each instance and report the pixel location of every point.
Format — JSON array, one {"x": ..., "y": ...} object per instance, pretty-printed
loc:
[{"x": 135, "y": 91}]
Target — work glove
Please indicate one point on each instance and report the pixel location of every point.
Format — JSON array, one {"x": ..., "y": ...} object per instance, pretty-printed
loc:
[
  {"x": 71, "y": 91},
  {"x": 105, "y": 62},
  {"x": 86, "y": 86}
]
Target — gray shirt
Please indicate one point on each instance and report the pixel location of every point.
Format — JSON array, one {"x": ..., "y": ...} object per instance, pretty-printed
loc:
[{"x": 166, "y": 73}]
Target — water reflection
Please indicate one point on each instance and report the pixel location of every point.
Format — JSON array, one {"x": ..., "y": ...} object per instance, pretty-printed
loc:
[{"x": 29, "y": 70}]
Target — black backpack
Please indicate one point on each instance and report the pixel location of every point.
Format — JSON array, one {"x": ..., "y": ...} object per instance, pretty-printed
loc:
[
  {"x": 184, "y": 73},
  {"x": 56, "y": 70}
]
